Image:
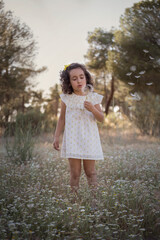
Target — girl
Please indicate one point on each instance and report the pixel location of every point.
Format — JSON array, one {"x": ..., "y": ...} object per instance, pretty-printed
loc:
[{"x": 79, "y": 114}]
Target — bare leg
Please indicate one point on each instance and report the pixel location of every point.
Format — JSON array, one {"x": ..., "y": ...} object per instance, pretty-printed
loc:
[
  {"x": 90, "y": 171},
  {"x": 75, "y": 172}
]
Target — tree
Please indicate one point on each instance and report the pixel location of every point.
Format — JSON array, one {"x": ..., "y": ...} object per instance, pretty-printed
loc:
[
  {"x": 17, "y": 51},
  {"x": 100, "y": 41},
  {"x": 135, "y": 60},
  {"x": 146, "y": 114},
  {"x": 135, "y": 57},
  {"x": 51, "y": 108}
]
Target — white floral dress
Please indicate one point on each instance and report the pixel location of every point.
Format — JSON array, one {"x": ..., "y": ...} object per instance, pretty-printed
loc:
[{"x": 81, "y": 136}]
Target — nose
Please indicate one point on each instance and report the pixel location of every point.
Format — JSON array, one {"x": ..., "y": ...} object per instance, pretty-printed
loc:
[{"x": 79, "y": 80}]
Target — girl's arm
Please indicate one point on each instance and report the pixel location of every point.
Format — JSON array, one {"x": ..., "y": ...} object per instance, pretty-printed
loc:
[
  {"x": 95, "y": 109},
  {"x": 60, "y": 126}
]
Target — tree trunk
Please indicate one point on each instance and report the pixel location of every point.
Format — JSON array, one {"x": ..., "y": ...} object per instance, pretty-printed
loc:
[
  {"x": 23, "y": 103},
  {"x": 108, "y": 102}
]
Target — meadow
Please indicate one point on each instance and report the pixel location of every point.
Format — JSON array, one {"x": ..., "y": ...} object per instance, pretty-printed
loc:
[{"x": 36, "y": 202}]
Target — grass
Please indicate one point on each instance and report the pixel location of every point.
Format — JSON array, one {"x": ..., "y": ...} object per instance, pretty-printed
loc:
[{"x": 36, "y": 202}]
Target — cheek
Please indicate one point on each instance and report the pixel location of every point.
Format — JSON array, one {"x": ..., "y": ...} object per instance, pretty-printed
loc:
[
  {"x": 73, "y": 84},
  {"x": 85, "y": 80}
]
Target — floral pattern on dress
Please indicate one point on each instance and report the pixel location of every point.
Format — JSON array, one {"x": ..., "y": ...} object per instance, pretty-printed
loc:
[{"x": 81, "y": 136}]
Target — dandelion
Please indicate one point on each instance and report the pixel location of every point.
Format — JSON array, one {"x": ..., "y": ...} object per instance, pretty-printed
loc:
[{"x": 87, "y": 89}]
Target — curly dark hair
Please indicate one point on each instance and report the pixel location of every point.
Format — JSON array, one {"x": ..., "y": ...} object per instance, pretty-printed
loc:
[{"x": 65, "y": 77}]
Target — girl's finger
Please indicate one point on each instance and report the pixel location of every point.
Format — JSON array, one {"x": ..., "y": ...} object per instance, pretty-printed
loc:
[{"x": 57, "y": 146}]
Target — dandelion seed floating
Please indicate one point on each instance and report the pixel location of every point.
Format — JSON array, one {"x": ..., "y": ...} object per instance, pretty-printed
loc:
[
  {"x": 149, "y": 83},
  {"x": 133, "y": 68},
  {"x": 145, "y": 51},
  {"x": 128, "y": 74},
  {"x": 135, "y": 96},
  {"x": 131, "y": 83},
  {"x": 151, "y": 57},
  {"x": 142, "y": 72}
]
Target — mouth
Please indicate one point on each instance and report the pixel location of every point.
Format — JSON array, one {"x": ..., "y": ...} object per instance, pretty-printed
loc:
[{"x": 79, "y": 86}]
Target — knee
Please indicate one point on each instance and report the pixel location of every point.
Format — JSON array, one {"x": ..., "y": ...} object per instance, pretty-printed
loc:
[
  {"x": 90, "y": 174},
  {"x": 75, "y": 174}
]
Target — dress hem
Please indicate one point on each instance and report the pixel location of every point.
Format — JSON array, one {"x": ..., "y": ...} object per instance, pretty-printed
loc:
[{"x": 85, "y": 158}]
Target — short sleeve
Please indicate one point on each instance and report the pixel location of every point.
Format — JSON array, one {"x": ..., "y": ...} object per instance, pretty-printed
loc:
[
  {"x": 97, "y": 99},
  {"x": 63, "y": 98}
]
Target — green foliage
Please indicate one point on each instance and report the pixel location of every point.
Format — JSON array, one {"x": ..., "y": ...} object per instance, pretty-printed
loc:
[
  {"x": 32, "y": 119},
  {"x": 51, "y": 109},
  {"x": 20, "y": 148},
  {"x": 131, "y": 54},
  {"x": 99, "y": 43},
  {"x": 135, "y": 55},
  {"x": 17, "y": 51},
  {"x": 146, "y": 114},
  {"x": 49, "y": 125}
]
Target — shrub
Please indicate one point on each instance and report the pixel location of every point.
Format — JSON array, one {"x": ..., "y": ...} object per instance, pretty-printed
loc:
[
  {"x": 32, "y": 119},
  {"x": 146, "y": 114},
  {"x": 20, "y": 148},
  {"x": 49, "y": 125}
]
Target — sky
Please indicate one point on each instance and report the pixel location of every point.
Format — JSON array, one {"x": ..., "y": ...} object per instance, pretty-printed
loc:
[{"x": 60, "y": 28}]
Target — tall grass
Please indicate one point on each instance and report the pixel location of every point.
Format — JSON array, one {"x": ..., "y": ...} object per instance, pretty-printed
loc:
[{"x": 20, "y": 147}]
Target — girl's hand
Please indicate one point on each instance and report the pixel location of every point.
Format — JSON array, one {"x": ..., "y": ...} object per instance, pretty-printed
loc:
[
  {"x": 89, "y": 106},
  {"x": 56, "y": 143}
]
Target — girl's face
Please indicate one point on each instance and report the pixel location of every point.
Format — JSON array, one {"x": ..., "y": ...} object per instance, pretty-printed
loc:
[{"x": 77, "y": 80}]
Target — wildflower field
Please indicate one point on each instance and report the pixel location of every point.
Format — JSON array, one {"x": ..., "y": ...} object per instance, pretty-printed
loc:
[{"x": 36, "y": 202}]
